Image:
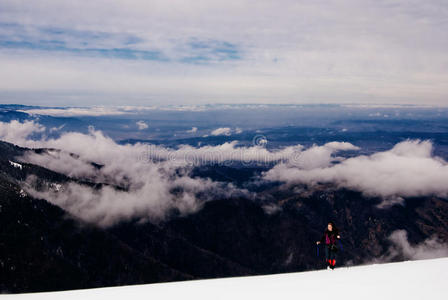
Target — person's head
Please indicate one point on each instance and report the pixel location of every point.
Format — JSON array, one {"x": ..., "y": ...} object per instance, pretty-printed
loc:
[{"x": 330, "y": 226}]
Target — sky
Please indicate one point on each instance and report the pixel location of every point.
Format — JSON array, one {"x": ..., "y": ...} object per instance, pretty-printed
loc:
[{"x": 133, "y": 52}]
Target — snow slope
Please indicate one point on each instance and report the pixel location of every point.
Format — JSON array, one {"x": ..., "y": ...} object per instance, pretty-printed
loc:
[{"x": 423, "y": 279}]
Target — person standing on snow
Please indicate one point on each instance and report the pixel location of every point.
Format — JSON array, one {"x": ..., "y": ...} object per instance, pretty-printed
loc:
[{"x": 329, "y": 238}]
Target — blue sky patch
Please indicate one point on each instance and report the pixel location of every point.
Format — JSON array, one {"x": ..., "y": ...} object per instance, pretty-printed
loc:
[
  {"x": 111, "y": 45},
  {"x": 203, "y": 51}
]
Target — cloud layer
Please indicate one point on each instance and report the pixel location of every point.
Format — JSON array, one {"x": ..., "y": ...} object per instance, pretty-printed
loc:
[
  {"x": 150, "y": 181},
  {"x": 430, "y": 248},
  {"x": 75, "y": 111},
  {"x": 132, "y": 186},
  {"x": 138, "y": 181},
  {"x": 408, "y": 169}
]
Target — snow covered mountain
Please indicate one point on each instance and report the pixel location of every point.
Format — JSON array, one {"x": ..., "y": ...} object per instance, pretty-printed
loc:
[{"x": 422, "y": 279}]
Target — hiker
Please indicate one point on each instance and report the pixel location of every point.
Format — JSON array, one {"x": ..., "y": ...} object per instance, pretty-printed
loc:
[{"x": 329, "y": 238}]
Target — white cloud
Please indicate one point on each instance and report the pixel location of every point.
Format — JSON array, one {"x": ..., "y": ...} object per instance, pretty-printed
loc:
[
  {"x": 192, "y": 130},
  {"x": 149, "y": 190},
  {"x": 147, "y": 186},
  {"x": 429, "y": 248},
  {"x": 153, "y": 179},
  {"x": 226, "y": 131},
  {"x": 408, "y": 169},
  {"x": 141, "y": 125},
  {"x": 75, "y": 111},
  {"x": 152, "y": 200},
  {"x": 55, "y": 129},
  {"x": 311, "y": 158},
  {"x": 18, "y": 132},
  {"x": 271, "y": 208},
  {"x": 82, "y": 144},
  {"x": 222, "y": 131},
  {"x": 73, "y": 166},
  {"x": 150, "y": 172}
]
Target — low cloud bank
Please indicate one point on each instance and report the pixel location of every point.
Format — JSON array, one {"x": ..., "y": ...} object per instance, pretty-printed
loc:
[
  {"x": 430, "y": 248},
  {"x": 153, "y": 201},
  {"x": 17, "y": 132},
  {"x": 132, "y": 187},
  {"x": 408, "y": 169},
  {"x": 138, "y": 181},
  {"x": 153, "y": 180},
  {"x": 76, "y": 111},
  {"x": 96, "y": 147}
]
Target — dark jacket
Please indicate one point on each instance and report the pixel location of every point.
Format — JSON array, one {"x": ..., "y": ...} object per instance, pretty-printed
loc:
[{"x": 329, "y": 237}]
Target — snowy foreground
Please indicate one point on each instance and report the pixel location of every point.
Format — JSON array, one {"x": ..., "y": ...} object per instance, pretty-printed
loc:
[{"x": 423, "y": 279}]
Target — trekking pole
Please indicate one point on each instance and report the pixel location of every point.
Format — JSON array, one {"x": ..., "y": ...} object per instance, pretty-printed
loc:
[
  {"x": 317, "y": 248},
  {"x": 340, "y": 245}
]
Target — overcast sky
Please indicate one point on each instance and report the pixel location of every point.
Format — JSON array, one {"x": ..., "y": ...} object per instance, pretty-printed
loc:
[{"x": 159, "y": 52}]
